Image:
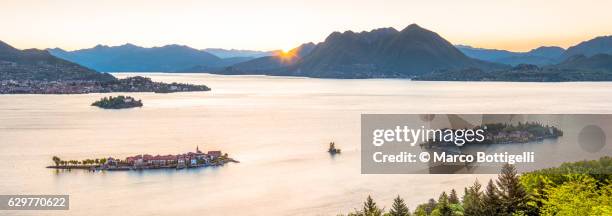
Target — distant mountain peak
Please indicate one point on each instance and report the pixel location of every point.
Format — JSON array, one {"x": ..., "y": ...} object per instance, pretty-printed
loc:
[
  {"x": 414, "y": 27},
  {"x": 382, "y": 52},
  {"x": 547, "y": 51},
  {"x": 175, "y": 46},
  {"x": 601, "y": 44},
  {"x": 35, "y": 64},
  {"x": 100, "y": 46},
  {"x": 382, "y": 30},
  {"x": 6, "y": 47},
  {"x": 56, "y": 49},
  {"x": 597, "y": 62}
]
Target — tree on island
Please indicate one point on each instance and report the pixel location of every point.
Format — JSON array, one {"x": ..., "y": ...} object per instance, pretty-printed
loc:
[
  {"x": 399, "y": 208},
  {"x": 332, "y": 149},
  {"x": 118, "y": 102},
  {"x": 56, "y": 160}
]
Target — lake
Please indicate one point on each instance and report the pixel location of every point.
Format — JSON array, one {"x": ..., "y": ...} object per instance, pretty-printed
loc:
[{"x": 278, "y": 127}]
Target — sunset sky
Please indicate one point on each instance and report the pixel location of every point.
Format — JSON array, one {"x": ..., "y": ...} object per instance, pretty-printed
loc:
[{"x": 282, "y": 24}]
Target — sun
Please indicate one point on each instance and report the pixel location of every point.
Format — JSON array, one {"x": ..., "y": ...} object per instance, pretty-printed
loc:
[{"x": 287, "y": 56}]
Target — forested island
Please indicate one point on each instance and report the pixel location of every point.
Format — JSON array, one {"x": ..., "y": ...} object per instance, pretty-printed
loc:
[
  {"x": 119, "y": 102},
  {"x": 578, "y": 188},
  {"x": 501, "y": 133}
]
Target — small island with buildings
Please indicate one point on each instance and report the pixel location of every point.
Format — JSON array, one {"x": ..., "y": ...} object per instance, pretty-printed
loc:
[
  {"x": 119, "y": 102},
  {"x": 145, "y": 161},
  {"x": 502, "y": 133}
]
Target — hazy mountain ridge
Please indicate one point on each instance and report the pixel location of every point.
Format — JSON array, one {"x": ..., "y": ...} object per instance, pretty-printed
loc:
[
  {"x": 544, "y": 55},
  {"x": 34, "y": 64},
  {"x": 379, "y": 53},
  {"x": 600, "y": 61},
  {"x": 598, "y": 45},
  {"x": 575, "y": 68},
  {"x": 234, "y": 53},
  {"x": 129, "y": 57}
]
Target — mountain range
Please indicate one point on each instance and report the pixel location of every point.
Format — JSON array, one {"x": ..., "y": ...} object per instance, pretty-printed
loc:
[
  {"x": 415, "y": 51},
  {"x": 576, "y": 68},
  {"x": 34, "y": 64},
  {"x": 597, "y": 62},
  {"x": 129, "y": 57},
  {"x": 233, "y": 53},
  {"x": 591, "y": 47},
  {"x": 379, "y": 53},
  {"x": 539, "y": 56}
]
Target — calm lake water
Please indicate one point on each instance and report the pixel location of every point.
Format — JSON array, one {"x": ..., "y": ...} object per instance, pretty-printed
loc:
[{"x": 278, "y": 128}]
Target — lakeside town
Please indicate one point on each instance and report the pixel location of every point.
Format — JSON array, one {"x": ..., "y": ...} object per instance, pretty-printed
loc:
[
  {"x": 145, "y": 161},
  {"x": 130, "y": 84}
]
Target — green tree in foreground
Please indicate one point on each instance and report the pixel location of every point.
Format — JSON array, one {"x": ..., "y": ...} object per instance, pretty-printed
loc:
[
  {"x": 430, "y": 206},
  {"x": 472, "y": 200},
  {"x": 443, "y": 207},
  {"x": 491, "y": 200},
  {"x": 420, "y": 210},
  {"x": 399, "y": 208},
  {"x": 578, "y": 188},
  {"x": 452, "y": 198},
  {"x": 513, "y": 195},
  {"x": 578, "y": 197},
  {"x": 370, "y": 208}
]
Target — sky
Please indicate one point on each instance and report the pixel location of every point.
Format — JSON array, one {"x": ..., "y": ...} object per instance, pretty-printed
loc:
[{"x": 517, "y": 25}]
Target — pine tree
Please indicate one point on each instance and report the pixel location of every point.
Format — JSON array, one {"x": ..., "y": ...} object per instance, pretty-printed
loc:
[
  {"x": 370, "y": 208},
  {"x": 443, "y": 205},
  {"x": 513, "y": 195},
  {"x": 399, "y": 208},
  {"x": 431, "y": 205},
  {"x": 472, "y": 202},
  {"x": 491, "y": 200},
  {"x": 453, "y": 199}
]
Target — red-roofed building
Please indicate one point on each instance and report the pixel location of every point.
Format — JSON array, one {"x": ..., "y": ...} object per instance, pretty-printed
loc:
[{"x": 214, "y": 154}]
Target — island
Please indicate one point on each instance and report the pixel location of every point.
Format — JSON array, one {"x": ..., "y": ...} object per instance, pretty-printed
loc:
[
  {"x": 119, "y": 102},
  {"x": 503, "y": 133},
  {"x": 145, "y": 161},
  {"x": 332, "y": 149}
]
